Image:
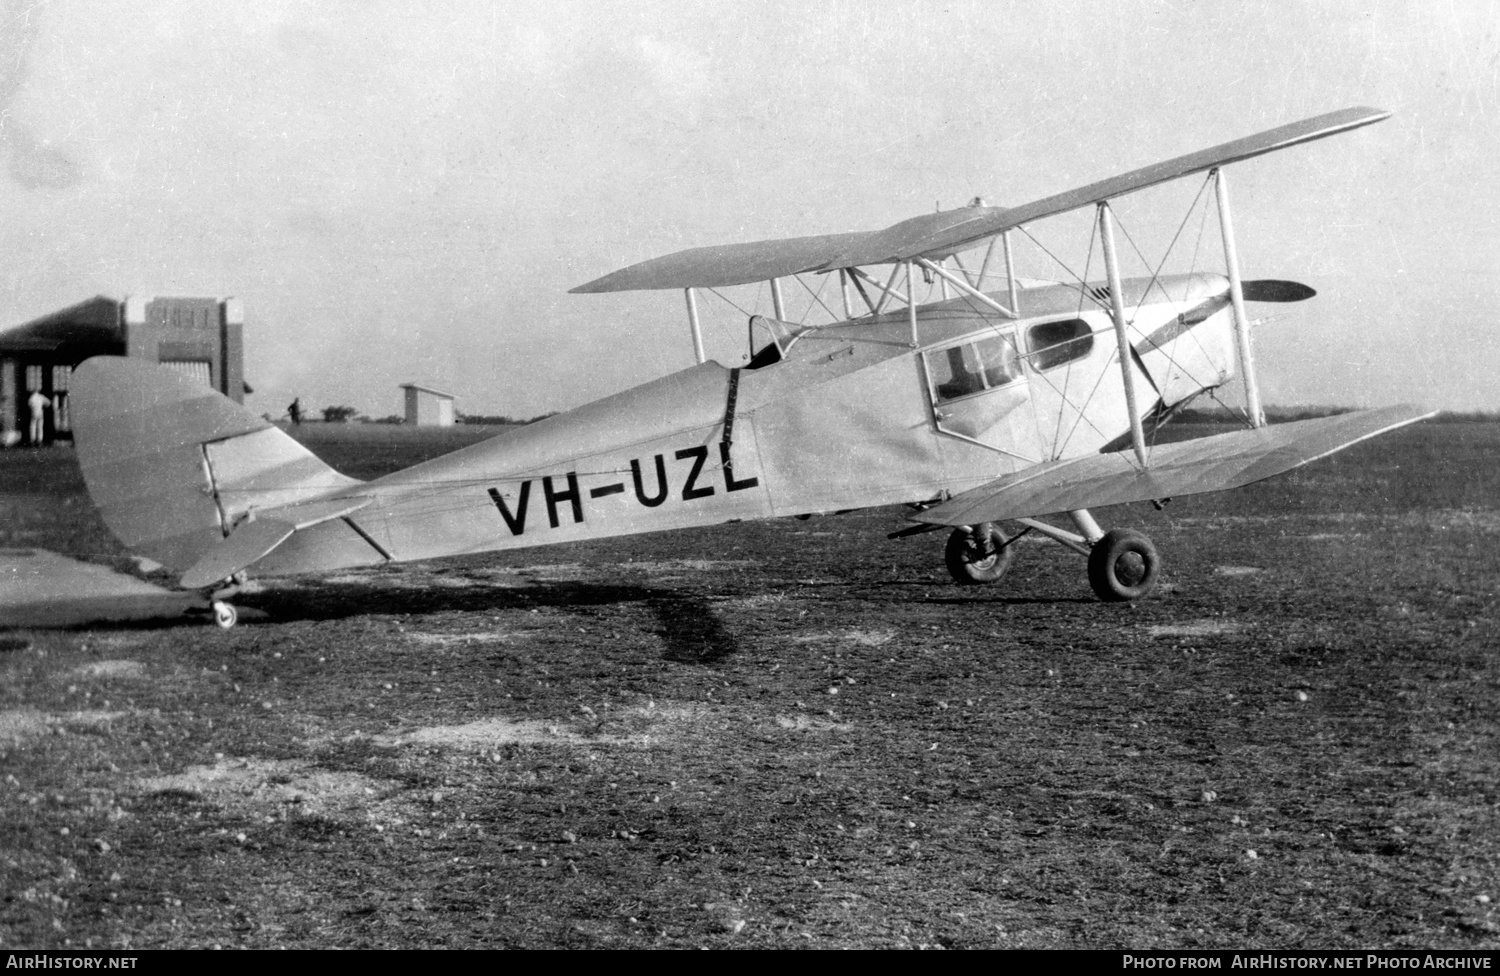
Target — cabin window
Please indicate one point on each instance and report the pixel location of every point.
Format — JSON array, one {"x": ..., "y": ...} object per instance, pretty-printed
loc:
[
  {"x": 960, "y": 371},
  {"x": 1053, "y": 344}
]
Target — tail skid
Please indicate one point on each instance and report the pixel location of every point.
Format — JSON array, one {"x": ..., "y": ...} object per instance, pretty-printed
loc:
[{"x": 174, "y": 468}]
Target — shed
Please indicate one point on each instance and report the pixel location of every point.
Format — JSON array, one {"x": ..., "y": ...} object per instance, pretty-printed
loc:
[{"x": 428, "y": 407}]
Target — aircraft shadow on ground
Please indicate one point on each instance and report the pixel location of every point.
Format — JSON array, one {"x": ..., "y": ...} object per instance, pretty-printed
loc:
[
  {"x": 993, "y": 593},
  {"x": 687, "y": 624},
  {"x": 1010, "y": 601}
]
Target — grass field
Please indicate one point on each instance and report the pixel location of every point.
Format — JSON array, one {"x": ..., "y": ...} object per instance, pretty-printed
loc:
[{"x": 787, "y": 733}]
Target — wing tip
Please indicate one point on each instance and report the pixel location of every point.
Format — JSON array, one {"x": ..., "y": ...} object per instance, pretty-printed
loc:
[
  {"x": 1357, "y": 116},
  {"x": 594, "y": 287}
]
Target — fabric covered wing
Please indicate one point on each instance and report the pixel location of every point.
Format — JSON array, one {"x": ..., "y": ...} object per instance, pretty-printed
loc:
[
  {"x": 727, "y": 264},
  {"x": 937, "y": 235},
  {"x": 1185, "y": 468},
  {"x": 933, "y": 236}
]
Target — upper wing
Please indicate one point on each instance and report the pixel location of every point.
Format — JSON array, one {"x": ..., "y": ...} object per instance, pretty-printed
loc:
[
  {"x": 726, "y": 264},
  {"x": 939, "y": 234},
  {"x": 911, "y": 239},
  {"x": 1185, "y": 468}
]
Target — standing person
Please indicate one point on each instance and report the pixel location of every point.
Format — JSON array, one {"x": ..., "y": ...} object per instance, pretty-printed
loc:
[
  {"x": 295, "y": 410},
  {"x": 39, "y": 404}
]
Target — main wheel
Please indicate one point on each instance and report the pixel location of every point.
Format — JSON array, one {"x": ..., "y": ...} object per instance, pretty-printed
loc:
[
  {"x": 225, "y": 615},
  {"x": 982, "y": 555},
  {"x": 1123, "y": 566}
]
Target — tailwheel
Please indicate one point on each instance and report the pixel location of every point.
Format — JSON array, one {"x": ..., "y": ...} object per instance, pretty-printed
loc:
[
  {"x": 225, "y": 614},
  {"x": 1123, "y": 566},
  {"x": 978, "y": 554}
]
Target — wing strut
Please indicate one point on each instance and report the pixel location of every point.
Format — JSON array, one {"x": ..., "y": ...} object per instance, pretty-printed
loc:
[
  {"x": 1010, "y": 273},
  {"x": 1237, "y": 299},
  {"x": 887, "y": 290},
  {"x": 1117, "y": 307},
  {"x": 965, "y": 288},
  {"x": 692, "y": 307},
  {"x": 777, "y": 303}
]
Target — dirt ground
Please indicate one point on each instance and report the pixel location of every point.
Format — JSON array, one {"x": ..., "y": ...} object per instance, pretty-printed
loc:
[{"x": 788, "y": 733}]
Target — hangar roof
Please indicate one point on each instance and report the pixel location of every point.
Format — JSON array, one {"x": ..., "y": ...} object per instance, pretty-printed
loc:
[{"x": 96, "y": 321}]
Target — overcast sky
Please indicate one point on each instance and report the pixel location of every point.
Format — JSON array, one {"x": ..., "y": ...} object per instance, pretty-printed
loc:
[{"x": 405, "y": 192}]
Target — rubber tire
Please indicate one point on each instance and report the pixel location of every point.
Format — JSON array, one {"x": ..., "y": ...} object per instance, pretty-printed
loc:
[
  {"x": 225, "y": 615},
  {"x": 959, "y": 556},
  {"x": 1123, "y": 566}
]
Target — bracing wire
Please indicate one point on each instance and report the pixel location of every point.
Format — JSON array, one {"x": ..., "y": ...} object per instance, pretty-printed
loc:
[
  {"x": 1156, "y": 272},
  {"x": 1082, "y": 284},
  {"x": 731, "y": 302},
  {"x": 1059, "y": 443},
  {"x": 816, "y": 299},
  {"x": 1156, "y": 276}
]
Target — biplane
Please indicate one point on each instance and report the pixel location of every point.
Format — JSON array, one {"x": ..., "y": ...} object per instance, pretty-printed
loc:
[{"x": 983, "y": 401}]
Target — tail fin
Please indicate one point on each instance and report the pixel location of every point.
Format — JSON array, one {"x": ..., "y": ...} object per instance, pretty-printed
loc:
[{"x": 173, "y": 466}]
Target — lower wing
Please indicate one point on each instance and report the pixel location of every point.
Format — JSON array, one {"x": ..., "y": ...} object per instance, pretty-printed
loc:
[{"x": 1185, "y": 468}]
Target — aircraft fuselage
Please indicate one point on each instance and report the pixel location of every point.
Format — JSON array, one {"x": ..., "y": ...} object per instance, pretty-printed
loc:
[{"x": 850, "y": 416}]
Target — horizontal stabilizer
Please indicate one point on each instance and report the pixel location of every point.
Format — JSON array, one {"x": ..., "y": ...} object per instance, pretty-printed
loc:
[
  {"x": 245, "y": 546},
  {"x": 1185, "y": 468},
  {"x": 253, "y": 541}
]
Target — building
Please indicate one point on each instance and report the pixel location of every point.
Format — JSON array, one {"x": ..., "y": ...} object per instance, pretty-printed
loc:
[
  {"x": 427, "y": 406},
  {"x": 202, "y": 337}
]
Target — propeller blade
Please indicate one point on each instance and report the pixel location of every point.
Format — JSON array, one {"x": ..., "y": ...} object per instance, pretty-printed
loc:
[{"x": 1271, "y": 290}]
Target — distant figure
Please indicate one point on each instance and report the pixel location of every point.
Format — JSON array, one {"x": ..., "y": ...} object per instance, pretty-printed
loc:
[
  {"x": 39, "y": 404},
  {"x": 295, "y": 411}
]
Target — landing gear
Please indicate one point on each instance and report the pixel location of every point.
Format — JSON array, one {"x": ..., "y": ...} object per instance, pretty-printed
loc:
[
  {"x": 978, "y": 554},
  {"x": 1123, "y": 566},
  {"x": 225, "y": 615}
]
